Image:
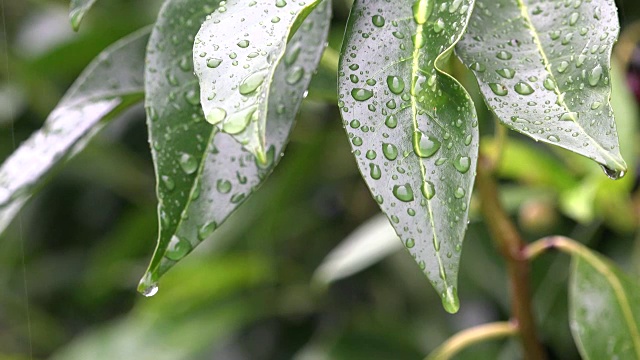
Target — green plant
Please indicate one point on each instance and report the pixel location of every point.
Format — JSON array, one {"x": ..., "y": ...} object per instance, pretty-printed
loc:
[{"x": 221, "y": 103}]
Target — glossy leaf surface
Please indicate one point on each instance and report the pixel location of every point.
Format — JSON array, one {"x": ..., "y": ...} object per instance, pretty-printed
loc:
[
  {"x": 78, "y": 8},
  {"x": 413, "y": 128},
  {"x": 98, "y": 95},
  {"x": 543, "y": 68},
  {"x": 604, "y": 312},
  {"x": 204, "y": 175},
  {"x": 237, "y": 70}
]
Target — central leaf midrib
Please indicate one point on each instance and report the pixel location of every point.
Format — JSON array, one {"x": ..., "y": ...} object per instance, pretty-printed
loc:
[
  {"x": 415, "y": 68},
  {"x": 524, "y": 13}
]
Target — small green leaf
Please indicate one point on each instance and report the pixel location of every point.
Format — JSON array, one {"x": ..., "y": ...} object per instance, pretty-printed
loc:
[
  {"x": 203, "y": 174},
  {"x": 98, "y": 95},
  {"x": 237, "y": 70},
  {"x": 78, "y": 8},
  {"x": 543, "y": 68},
  {"x": 604, "y": 312},
  {"x": 413, "y": 128}
]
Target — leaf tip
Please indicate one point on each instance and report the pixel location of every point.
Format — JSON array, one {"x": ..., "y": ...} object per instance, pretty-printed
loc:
[
  {"x": 615, "y": 168},
  {"x": 75, "y": 17},
  {"x": 450, "y": 300},
  {"x": 148, "y": 285}
]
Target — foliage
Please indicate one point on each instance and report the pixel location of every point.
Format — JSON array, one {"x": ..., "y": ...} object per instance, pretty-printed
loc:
[{"x": 223, "y": 83}]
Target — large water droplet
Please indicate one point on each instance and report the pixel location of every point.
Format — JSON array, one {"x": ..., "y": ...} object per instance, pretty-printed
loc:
[
  {"x": 188, "y": 163},
  {"x": 425, "y": 145},
  {"x": 428, "y": 190},
  {"x": 450, "y": 300},
  {"x": 594, "y": 75},
  {"x": 377, "y": 20},
  {"x": 504, "y": 55},
  {"x": 523, "y": 88},
  {"x": 498, "y": 89},
  {"x": 216, "y": 115},
  {"x": 237, "y": 122},
  {"x": 390, "y": 151},
  {"x": 462, "y": 164},
  {"x": 361, "y": 94},
  {"x": 252, "y": 82},
  {"x": 177, "y": 248},
  {"x": 396, "y": 84},
  {"x": 375, "y": 171},
  {"x": 223, "y": 186},
  {"x": 403, "y": 192},
  {"x": 506, "y": 73}
]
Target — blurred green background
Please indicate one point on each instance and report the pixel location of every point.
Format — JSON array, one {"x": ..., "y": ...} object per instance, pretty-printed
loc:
[{"x": 70, "y": 263}]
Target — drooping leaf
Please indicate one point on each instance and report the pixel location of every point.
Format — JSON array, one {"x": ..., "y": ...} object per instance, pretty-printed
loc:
[
  {"x": 110, "y": 84},
  {"x": 237, "y": 71},
  {"x": 368, "y": 244},
  {"x": 604, "y": 313},
  {"x": 203, "y": 175},
  {"x": 413, "y": 128},
  {"x": 543, "y": 68},
  {"x": 77, "y": 10}
]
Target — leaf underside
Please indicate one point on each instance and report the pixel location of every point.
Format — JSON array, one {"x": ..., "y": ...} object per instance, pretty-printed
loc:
[
  {"x": 98, "y": 95},
  {"x": 77, "y": 10},
  {"x": 236, "y": 71},
  {"x": 543, "y": 68},
  {"x": 604, "y": 313},
  {"x": 412, "y": 127},
  {"x": 204, "y": 175}
]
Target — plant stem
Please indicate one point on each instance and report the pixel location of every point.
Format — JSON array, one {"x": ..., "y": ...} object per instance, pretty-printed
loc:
[
  {"x": 471, "y": 336},
  {"x": 510, "y": 244}
]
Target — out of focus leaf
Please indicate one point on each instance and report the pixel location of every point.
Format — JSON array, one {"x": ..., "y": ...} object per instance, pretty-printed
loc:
[
  {"x": 604, "y": 312},
  {"x": 368, "y": 244},
  {"x": 78, "y": 9},
  {"x": 203, "y": 306},
  {"x": 203, "y": 174},
  {"x": 543, "y": 68},
  {"x": 98, "y": 95},
  {"x": 519, "y": 157},
  {"x": 413, "y": 127}
]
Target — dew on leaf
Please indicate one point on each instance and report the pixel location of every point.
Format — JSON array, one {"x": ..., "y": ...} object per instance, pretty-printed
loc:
[{"x": 403, "y": 192}]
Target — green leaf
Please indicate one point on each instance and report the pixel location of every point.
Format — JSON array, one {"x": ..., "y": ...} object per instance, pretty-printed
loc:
[
  {"x": 413, "y": 128},
  {"x": 604, "y": 312},
  {"x": 78, "y": 8},
  {"x": 203, "y": 175},
  {"x": 237, "y": 71},
  {"x": 110, "y": 84},
  {"x": 543, "y": 69}
]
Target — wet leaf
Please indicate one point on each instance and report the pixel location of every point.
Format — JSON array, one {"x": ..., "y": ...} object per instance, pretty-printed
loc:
[
  {"x": 604, "y": 313},
  {"x": 543, "y": 68},
  {"x": 77, "y": 10},
  {"x": 237, "y": 71},
  {"x": 98, "y": 95},
  {"x": 203, "y": 175},
  {"x": 413, "y": 128}
]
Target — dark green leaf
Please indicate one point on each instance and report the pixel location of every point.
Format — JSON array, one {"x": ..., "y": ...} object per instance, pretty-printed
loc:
[
  {"x": 543, "y": 68},
  {"x": 237, "y": 71},
  {"x": 604, "y": 311},
  {"x": 413, "y": 128},
  {"x": 204, "y": 175},
  {"x": 110, "y": 84},
  {"x": 78, "y": 9}
]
